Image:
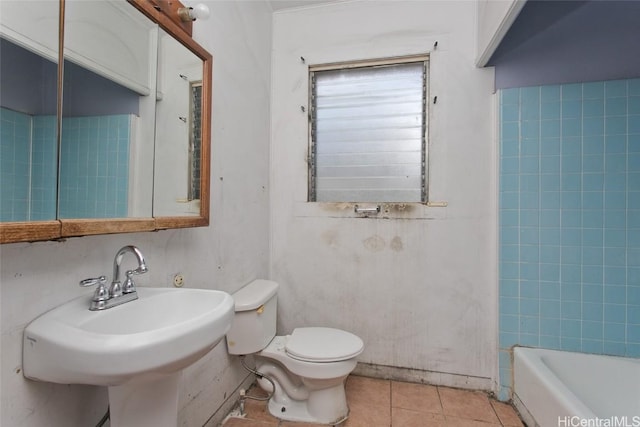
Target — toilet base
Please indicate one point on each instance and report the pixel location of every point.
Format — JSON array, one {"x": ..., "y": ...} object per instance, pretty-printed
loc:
[{"x": 326, "y": 406}]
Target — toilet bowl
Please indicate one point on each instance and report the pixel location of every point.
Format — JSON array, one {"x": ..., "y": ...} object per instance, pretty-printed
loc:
[{"x": 308, "y": 367}]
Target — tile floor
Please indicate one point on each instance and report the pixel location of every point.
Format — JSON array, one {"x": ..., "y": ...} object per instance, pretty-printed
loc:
[{"x": 383, "y": 403}]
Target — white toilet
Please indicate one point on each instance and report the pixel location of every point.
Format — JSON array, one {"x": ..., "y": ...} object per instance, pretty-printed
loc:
[{"x": 308, "y": 367}]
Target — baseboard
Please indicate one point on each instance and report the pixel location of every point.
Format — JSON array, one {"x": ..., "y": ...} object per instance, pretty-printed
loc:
[
  {"x": 216, "y": 419},
  {"x": 424, "y": 377}
]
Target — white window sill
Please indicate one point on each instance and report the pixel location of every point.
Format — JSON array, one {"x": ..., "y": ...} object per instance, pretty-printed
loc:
[{"x": 419, "y": 211}]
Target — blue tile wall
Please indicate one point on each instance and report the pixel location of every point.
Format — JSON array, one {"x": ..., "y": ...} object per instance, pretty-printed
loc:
[
  {"x": 569, "y": 264},
  {"x": 94, "y": 165},
  {"x": 15, "y": 151},
  {"x": 44, "y": 168},
  {"x": 28, "y": 166}
]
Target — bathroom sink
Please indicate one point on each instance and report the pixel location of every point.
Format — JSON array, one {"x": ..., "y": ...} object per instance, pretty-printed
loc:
[{"x": 162, "y": 332}]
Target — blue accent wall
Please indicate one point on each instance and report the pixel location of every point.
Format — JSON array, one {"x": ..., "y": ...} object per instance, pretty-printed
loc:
[{"x": 569, "y": 219}]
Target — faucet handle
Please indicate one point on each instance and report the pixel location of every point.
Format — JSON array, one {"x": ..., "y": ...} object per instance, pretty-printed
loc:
[
  {"x": 93, "y": 281},
  {"x": 101, "y": 293},
  {"x": 129, "y": 286}
]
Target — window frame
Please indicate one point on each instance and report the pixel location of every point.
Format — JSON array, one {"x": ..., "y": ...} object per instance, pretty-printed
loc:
[
  {"x": 370, "y": 63},
  {"x": 195, "y": 140}
]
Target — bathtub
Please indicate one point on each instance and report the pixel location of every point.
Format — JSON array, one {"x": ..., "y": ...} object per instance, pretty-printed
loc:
[{"x": 562, "y": 389}]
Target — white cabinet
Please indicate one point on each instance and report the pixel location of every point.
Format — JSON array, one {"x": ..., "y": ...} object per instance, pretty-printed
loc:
[
  {"x": 123, "y": 53},
  {"x": 32, "y": 25}
]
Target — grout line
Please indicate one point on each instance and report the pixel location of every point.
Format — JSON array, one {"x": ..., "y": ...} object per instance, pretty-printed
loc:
[
  {"x": 495, "y": 412},
  {"x": 440, "y": 401},
  {"x": 391, "y": 403}
]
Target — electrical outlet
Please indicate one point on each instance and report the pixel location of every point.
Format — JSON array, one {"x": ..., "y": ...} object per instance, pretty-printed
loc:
[{"x": 178, "y": 281}]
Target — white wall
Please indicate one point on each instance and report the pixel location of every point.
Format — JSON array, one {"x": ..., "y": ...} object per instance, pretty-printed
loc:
[
  {"x": 232, "y": 251},
  {"x": 420, "y": 287}
]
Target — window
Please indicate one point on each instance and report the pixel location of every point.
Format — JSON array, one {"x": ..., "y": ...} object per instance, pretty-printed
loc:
[
  {"x": 368, "y": 132},
  {"x": 195, "y": 139}
]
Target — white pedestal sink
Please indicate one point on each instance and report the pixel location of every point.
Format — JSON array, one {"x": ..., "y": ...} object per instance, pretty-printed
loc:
[{"x": 137, "y": 349}]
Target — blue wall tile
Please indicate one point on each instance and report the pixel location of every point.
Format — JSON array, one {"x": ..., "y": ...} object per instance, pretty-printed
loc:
[
  {"x": 593, "y": 90},
  {"x": 571, "y": 91},
  {"x": 28, "y": 168},
  {"x": 101, "y": 180},
  {"x": 615, "y": 88},
  {"x": 592, "y": 108},
  {"x": 634, "y": 105},
  {"x": 570, "y": 219}
]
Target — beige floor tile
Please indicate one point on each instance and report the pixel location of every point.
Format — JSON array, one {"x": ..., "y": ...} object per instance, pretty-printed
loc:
[
  {"x": 415, "y": 397},
  {"x": 257, "y": 410},
  {"x": 507, "y": 414},
  {"x": 401, "y": 417},
  {"x": 257, "y": 391},
  {"x": 464, "y": 422},
  {"x": 369, "y": 401},
  {"x": 299, "y": 424},
  {"x": 368, "y": 416},
  {"x": 470, "y": 405},
  {"x": 382, "y": 403},
  {"x": 244, "y": 422},
  {"x": 368, "y": 391}
]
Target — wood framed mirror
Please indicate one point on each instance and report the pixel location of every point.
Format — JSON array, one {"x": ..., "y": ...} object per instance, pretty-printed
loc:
[{"x": 133, "y": 147}]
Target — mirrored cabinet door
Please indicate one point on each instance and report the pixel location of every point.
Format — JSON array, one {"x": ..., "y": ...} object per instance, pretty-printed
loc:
[
  {"x": 116, "y": 138},
  {"x": 108, "y": 115},
  {"x": 178, "y": 130},
  {"x": 28, "y": 103}
]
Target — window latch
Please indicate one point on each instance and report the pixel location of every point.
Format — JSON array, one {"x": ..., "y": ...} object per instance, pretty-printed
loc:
[{"x": 375, "y": 210}]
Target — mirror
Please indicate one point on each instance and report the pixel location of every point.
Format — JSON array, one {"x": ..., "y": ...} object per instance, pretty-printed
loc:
[
  {"x": 135, "y": 122},
  {"x": 108, "y": 111},
  {"x": 178, "y": 129},
  {"x": 28, "y": 83}
]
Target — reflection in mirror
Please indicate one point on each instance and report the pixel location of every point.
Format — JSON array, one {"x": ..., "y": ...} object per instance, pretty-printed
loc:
[
  {"x": 106, "y": 147},
  {"x": 178, "y": 130},
  {"x": 28, "y": 88}
]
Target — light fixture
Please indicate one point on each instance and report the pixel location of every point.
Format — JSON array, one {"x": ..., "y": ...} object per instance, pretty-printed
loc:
[{"x": 199, "y": 11}]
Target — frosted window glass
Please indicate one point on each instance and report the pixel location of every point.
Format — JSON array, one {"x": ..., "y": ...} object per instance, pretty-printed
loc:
[{"x": 368, "y": 134}]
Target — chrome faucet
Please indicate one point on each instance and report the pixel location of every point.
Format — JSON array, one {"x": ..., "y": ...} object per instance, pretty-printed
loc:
[
  {"x": 116, "y": 288},
  {"x": 117, "y": 293}
]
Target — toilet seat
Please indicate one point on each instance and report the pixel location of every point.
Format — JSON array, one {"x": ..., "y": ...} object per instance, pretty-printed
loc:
[
  {"x": 316, "y": 370},
  {"x": 323, "y": 345}
]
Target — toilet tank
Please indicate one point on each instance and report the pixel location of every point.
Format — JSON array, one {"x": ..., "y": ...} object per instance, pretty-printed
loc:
[{"x": 254, "y": 322}]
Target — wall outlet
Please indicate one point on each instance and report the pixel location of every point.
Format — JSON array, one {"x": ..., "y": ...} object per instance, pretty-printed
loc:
[{"x": 178, "y": 281}]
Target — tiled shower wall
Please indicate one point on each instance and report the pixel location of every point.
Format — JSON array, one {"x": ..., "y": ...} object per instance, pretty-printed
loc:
[
  {"x": 28, "y": 167},
  {"x": 43, "y": 168},
  {"x": 570, "y": 219},
  {"x": 94, "y": 164},
  {"x": 94, "y": 168},
  {"x": 15, "y": 146}
]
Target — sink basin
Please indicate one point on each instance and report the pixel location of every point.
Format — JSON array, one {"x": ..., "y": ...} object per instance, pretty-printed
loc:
[
  {"x": 164, "y": 330},
  {"x": 137, "y": 349}
]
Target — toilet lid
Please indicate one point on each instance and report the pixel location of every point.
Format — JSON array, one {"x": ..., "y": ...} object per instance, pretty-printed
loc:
[{"x": 323, "y": 345}]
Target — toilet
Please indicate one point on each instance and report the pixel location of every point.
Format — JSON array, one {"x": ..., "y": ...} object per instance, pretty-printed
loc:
[{"x": 308, "y": 367}]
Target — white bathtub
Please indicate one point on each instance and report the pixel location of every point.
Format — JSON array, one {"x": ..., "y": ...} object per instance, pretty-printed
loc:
[{"x": 561, "y": 389}]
